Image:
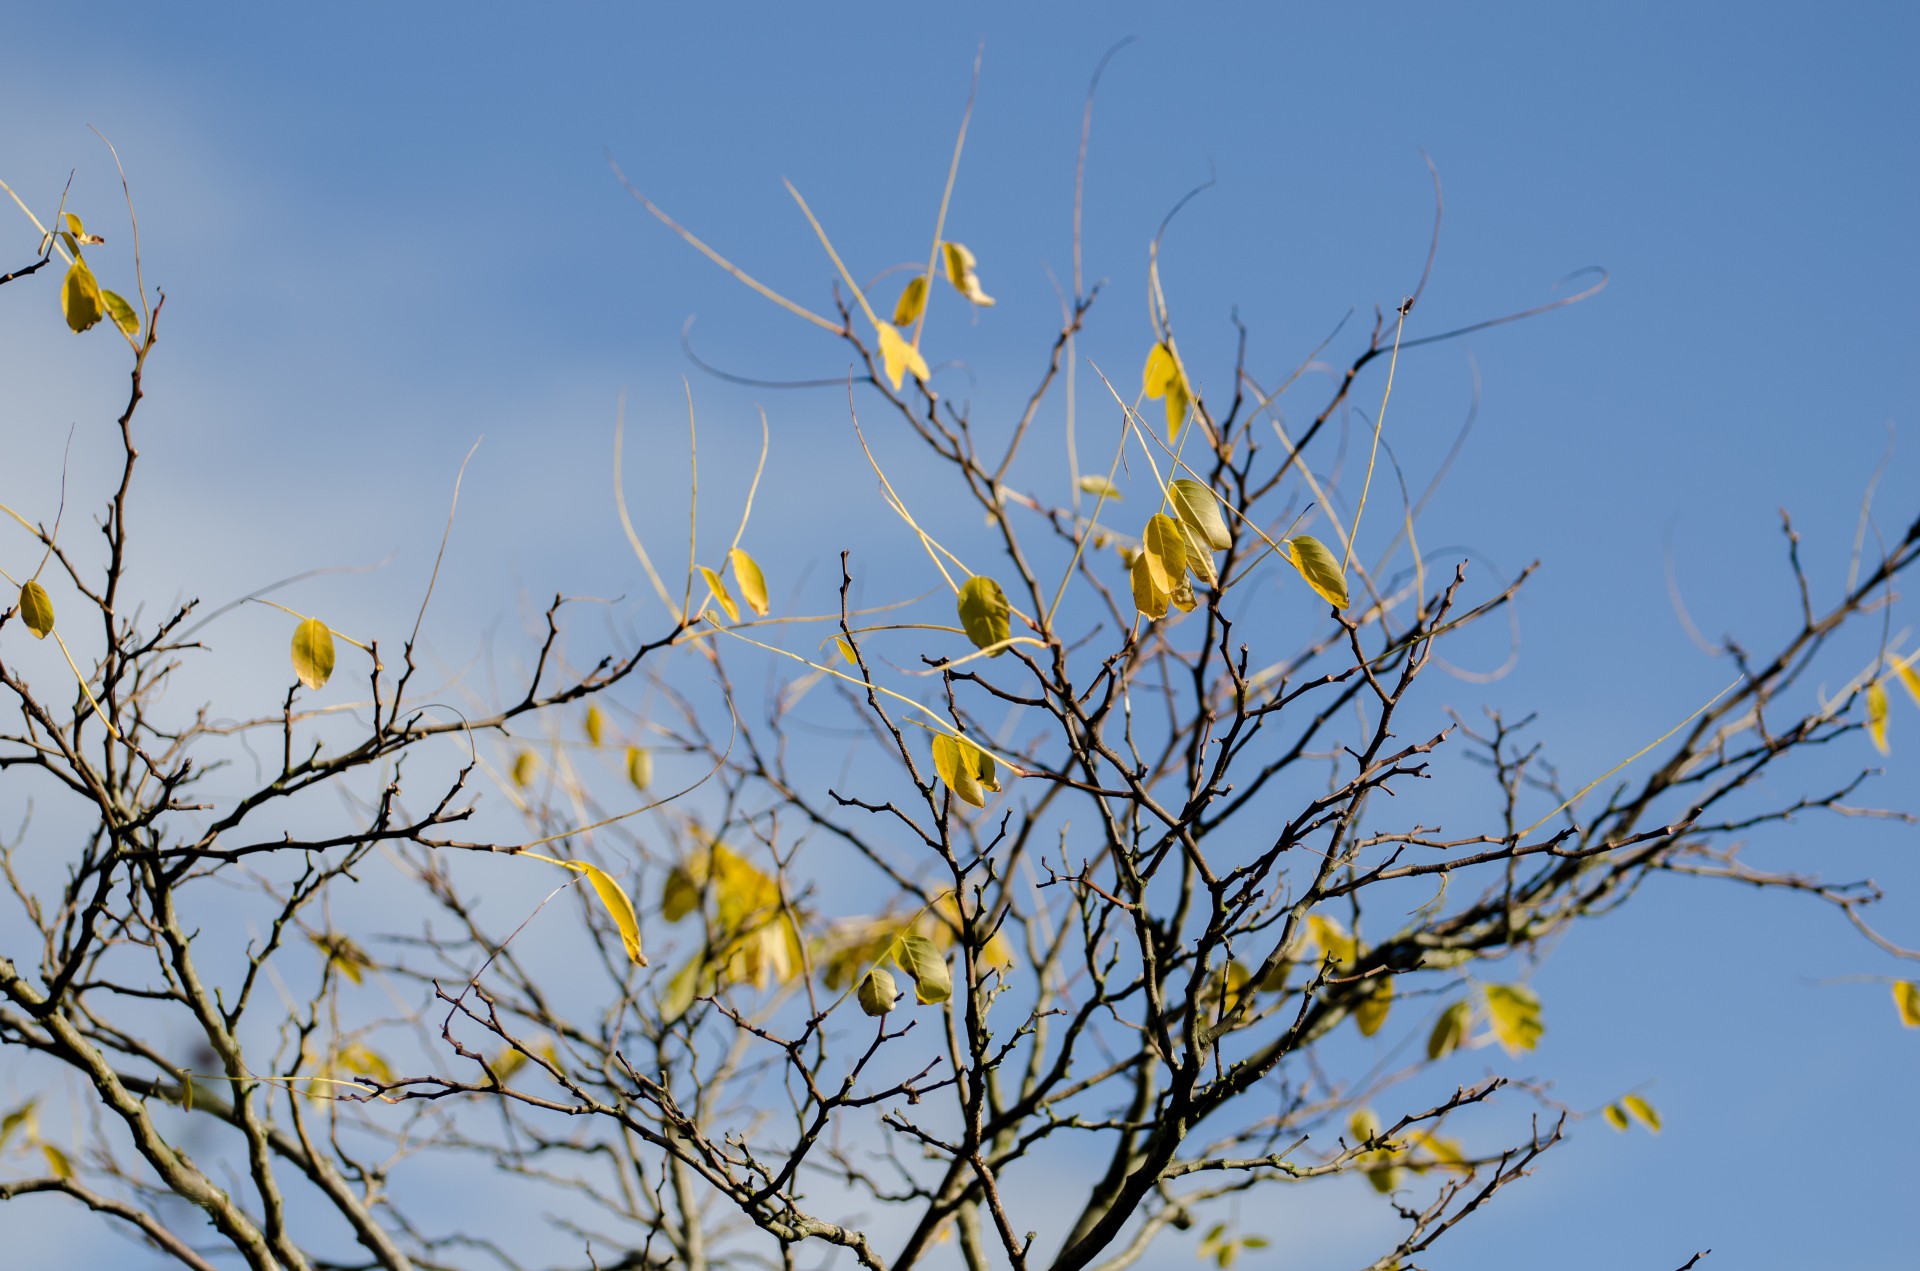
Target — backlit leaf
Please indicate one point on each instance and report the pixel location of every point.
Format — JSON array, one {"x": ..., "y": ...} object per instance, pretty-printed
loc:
[
  {"x": 1148, "y": 597},
  {"x": 526, "y": 766},
  {"x": 596, "y": 725},
  {"x": 120, "y": 311},
  {"x": 680, "y": 896},
  {"x": 1165, "y": 549},
  {"x": 313, "y": 653},
  {"x": 1641, "y": 1111},
  {"x": 1449, "y": 1030},
  {"x": 1371, "y": 1013},
  {"x": 1332, "y": 939},
  {"x": 36, "y": 609},
  {"x": 346, "y": 957},
  {"x": 1514, "y": 1012},
  {"x": 954, "y": 759},
  {"x": 22, "y": 1115},
  {"x": 1099, "y": 485},
  {"x": 1160, "y": 372},
  {"x": 1877, "y": 716},
  {"x": 619, "y": 908},
  {"x": 917, "y": 956},
  {"x": 693, "y": 980},
  {"x": 983, "y": 612},
  {"x": 366, "y": 1061},
  {"x": 846, "y": 651},
  {"x": 1320, "y": 567},
  {"x": 1616, "y": 1116},
  {"x": 753, "y": 583},
  {"x": 1182, "y": 597},
  {"x": 899, "y": 356},
  {"x": 960, "y": 273},
  {"x": 1910, "y": 677},
  {"x": 912, "y": 302},
  {"x": 80, "y": 298},
  {"x": 1199, "y": 556},
  {"x": 720, "y": 594},
  {"x": 1906, "y": 1000},
  {"x": 878, "y": 992},
  {"x": 639, "y": 767},
  {"x": 57, "y": 1161},
  {"x": 1200, "y": 507}
]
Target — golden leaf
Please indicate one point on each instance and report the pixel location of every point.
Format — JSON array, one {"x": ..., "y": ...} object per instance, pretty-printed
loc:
[
  {"x": 1641, "y": 1111},
  {"x": 1514, "y": 1012},
  {"x": 957, "y": 762},
  {"x": 912, "y": 302},
  {"x": 1906, "y": 1000},
  {"x": 1164, "y": 548},
  {"x": 596, "y": 725},
  {"x": 1148, "y": 596},
  {"x": 1371, "y": 1013},
  {"x": 618, "y": 907},
  {"x": 36, "y": 609},
  {"x": 899, "y": 356},
  {"x": 721, "y": 594},
  {"x": 80, "y": 298},
  {"x": 960, "y": 273},
  {"x": 1199, "y": 507},
  {"x": 313, "y": 653},
  {"x": 1318, "y": 566},
  {"x": 1449, "y": 1030},
  {"x": 753, "y": 583},
  {"x": 1099, "y": 485},
  {"x": 1877, "y": 716},
  {"x": 639, "y": 767}
]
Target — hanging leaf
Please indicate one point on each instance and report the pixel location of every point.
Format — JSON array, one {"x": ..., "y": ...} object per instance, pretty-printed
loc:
[
  {"x": 912, "y": 302},
  {"x": 313, "y": 653},
  {"x": 1514, "y": 1012},
  {"x": 1318, "y": 566},
  {"x": 1371, "y": 1013},
  {"x": 22, "y": 1115},
  {"x": 526, "y": 766},
  {"x": 1616, "y": 1117},
  {"x": 899, "y": 356},
  {"x": 846, "y": 651},
  {"x": 961, "y": 274},
  {"x": 1163, "y": 377},
  {"x": 1449, "y": 1030},
  {"x": 80, "y": 298},
  {"x": 878, "y": 991},
  {"x": 1910, "y": 677},
  {"x": 596, "y": 725},
  {"x": 121, "y": 312},
  {"x": 1906, "y": 1000},
  {"x": 1200, "y": 507},
  {"x": 36, "y": 609},
  {"x": 57, "y": 1161},
  {"x": 1199, "y": 556},
  {"x": 1148, "y": 596},
  {"x": 753, "y": 583},
  {"x": 1164, "y": 548},
  {"x": 1641, "y": 1111},
  {"x": 917, "y": 956},
  {"x": 343, "y": 955},
  {"x": 509, "y": 1062},
  {"x": 1182, "y": 597},
  {"x": 1877, "y": 716},
  {"x": 984, "y": 612},
  {"x": 639, "y": 767},
  {"x": 1332, "y": 939},
  {"x": 720, "y": 594},
  {"x": 1098, "y": 485},
  {"x": 691, "y": 981},
  {"x": 618, "y": 907},
  {"x": 366, "y": 1061},
  {"x": 953, "y": 759}
]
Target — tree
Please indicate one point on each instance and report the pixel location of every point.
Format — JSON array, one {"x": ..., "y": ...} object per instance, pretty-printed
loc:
[{"x": 1102, "y": 919}]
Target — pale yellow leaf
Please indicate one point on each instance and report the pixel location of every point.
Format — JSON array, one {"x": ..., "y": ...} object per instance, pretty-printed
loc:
[
  {"x": 57, "y": 1161},
  {"x": 618, "y": 907},
  {"x": 721, "y": 594},
  {"x": 639, "y": 767},
  {"x": 1200, "y": 507},
  {"x": 526, "y": 766},
  {"x": 1514, "y": 1012},
  {"x": 960, "y": 272},
  {"x": 366, "y": 1061},
  {"x": 1164, "y": 548},
  {"x": 899, "y": 356},
  {"x": 1877, "y": 716},
  {"x": 313, "y": 653},
  {"x": 753, "y": 583},
  {"x": 1098, "y": 485},
  {"x": 878, "y": 992}
]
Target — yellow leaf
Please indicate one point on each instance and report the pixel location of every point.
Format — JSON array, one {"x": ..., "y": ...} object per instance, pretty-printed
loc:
[
  {"x": 596, "y": 725},
  {"x": 1906, "y": 1000},
  {"x": 1616, "y": 1116},
  {"x": 80, "y": 298},
  {"x": 313, "y": 653},
  {"x": 878, "y": 992},
  {"x": 343, "y": 955},
  {"x": 1332, "y": 939},
  {"x": 1449, "y": 1031},
  {"x": 1514, "y": 1012},
  {"x": 753, "y": 583},
  {"x": 1877, "y": 716},
  {"x": 1164, "y": 548},
  {"x": 121, "y": 312},
  {"x": 899, "y": 356},
  {"x": 961, "y": 274},
  {"x": 618, "y": 907},
  {"x": 680, "y": 896},
  {"x": 695, "y": 979},
  {"x": 1371, "y": 1013},
  {"x": 1318, "y": 566},
  {"x": 983, "y": 612},
  {"x": 846, "y": 651},
  {"x": 1181, "y": 597},
  {"x": 367, "y": 1062},
  {"x": 639, "y": 767},
  {"x": 917, "y": 956},
  {"x": 57, "y": 1161},
  {"x": 1099, "y": 485},
  {"x": 912, "y": 302},
  {"x": 22, "y": 1115},
  {"x": 1911, "y": 678},
  {"x": 957, "y": 762},
  {"x": 1148, "y": 597},
  {"x": 1160, "y": 373},
  {"x": 721, "y": 594},
  {"x": 1199, "y": 557},
  {"x": 36, "y": 609},
  {"x": 510, "y": 1062},
  {"x": 1199, "y": 507},
  {"x": 526, "y": 766},
  {"x": 1641, "y": 1111}
]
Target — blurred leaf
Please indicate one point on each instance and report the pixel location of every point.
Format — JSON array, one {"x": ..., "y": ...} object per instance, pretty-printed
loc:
[
  {"x": 1199, "y": 507},
  {"x": 1906, "y": 1000},
  {"x": 1877, "y": 716},
  {"x": 917, "y": 956},
  {"x": 1318, "y": 566},
  {"x": 639, "y": 767},
  {"x": 1449, "y": 1030},
  {"x": 1332, "y": 939},
  {"x": 680, "y": 896},
  {"x": 343, "y": 955},
  {"x": 984, "y": 612},
  {"x": 878, "y": 992},
  {"x": 80, "y": 298},
  {"x": 121, "y": 312},
  {"x": 619, "y": 908},
  {"x": 1164, "y": 548},
  {"x": 313, "y": 653},
  {"x": 366, "y": 1061},
  {"x": 691, "y": 981},
  {"x": 912, "y": 302},
  {"x": 1616, "y": 1116},
  {"x": 526, "y": 766},
  {"x": 753, "y": 583},
  {"x": 899, "y": 356},
  {"x": 509, "y": 1062},
  {"x": 596, "y": 725},
  {"x": 960, "y": 273},
  {"x": 1371, "y": 1013},
  {"x": 1098, "y": 485},
  {"x": 57, "y": 1161},
  {"x": 22, "y": 1115},
  {"x": 721, "y": 594},
  {"x": 1148, "y": 597},
  {"x": 1514, "y": 1012},
  {"x": 36, "y": 609},
  {"x": 957, "y": 762},
  {"x": 1910, "y": 677},
  {"x": 1642, "y": 1111}
]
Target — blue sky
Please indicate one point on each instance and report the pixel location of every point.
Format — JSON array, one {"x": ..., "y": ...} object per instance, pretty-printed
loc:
[{"x": 387, "y": 230}]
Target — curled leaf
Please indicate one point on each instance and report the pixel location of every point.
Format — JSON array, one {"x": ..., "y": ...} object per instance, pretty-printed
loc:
[
  {"x": 961, "y": 274},
  {"x": 80, "y": 298},
  {"x": 36, "y": 609},
  {"x": 639, "y": 767},
  {"x": 1199, "y": 507},
  {"x": 912, "y": 302},
  {"x": 1163, "y": 377},
  {"x": 1318, "y": 566},
  {"x": 753, "y": 583},
  {"x": 614, "y": 898},
  {"x": 899, "y": 356},
  {"x": 1164, "y": 548},
  {"x": 983, "y": 612},
  {"x": 313, "y": 653},
  {"x": 878, "y": 991},
  {"x": 917, "y": 956}
]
